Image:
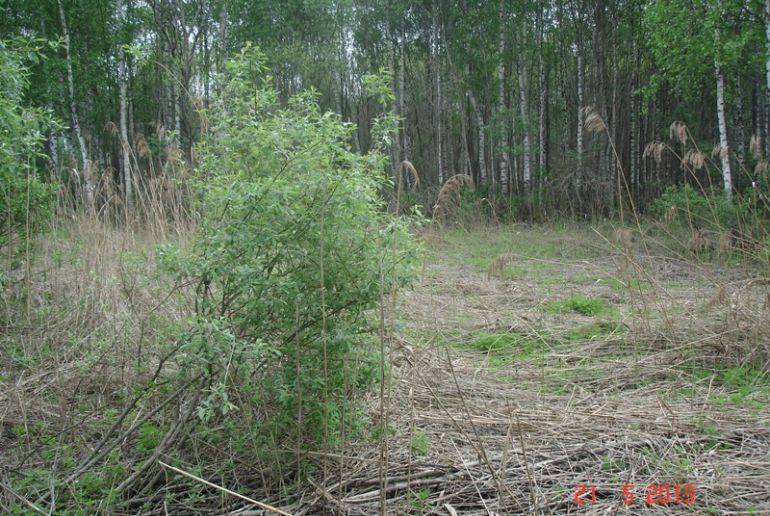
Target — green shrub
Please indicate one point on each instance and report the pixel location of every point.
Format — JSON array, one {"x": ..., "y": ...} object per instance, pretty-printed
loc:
[
  {"x": 293, "y": 251},
  {"x": 25, "y": 201},
  {"x": 685, "y": 205}
]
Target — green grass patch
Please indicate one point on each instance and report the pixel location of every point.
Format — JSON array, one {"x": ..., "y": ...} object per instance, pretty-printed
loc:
[
  {"x": 592, "y": 331},
  {"x": 503, "y": 348},
  {"x": 419, "y": 444},
  {"x": 743, "y": 378},
  {"x": 746, "y": 387},
  {"x": 495, "y": 342},
  {"x": 616, "y": 283},
  {"x": 480, "y": 248},
  {"x": 579, "y": 304}
]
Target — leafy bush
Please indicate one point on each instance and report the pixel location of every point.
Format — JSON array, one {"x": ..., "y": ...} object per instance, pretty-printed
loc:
[
  {"x": 294, "y": 248},
  {"x": 685, "y": 205},
  {"x": 25, "y": 202}
]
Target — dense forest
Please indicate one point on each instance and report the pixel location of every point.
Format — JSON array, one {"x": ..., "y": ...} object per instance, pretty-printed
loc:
[
  {"x": 500, "y": 91},
  {"x": 384, "y": 257}
]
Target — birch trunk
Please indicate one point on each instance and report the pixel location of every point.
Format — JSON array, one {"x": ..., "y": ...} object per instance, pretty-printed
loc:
[
  {"x": 124, "y": 146},
  {"x": 177, "y": 115},
  {"x": 88, "y": 184},
  {"x": 482, "y": 143},
  {"x": 542, "y": 164},
  {"x": 131, "y": 124},
  {"x": 438, "y": 104},
  {"x": 724, "y": 148},
  {"x": 395, "y": 149},
  {"x": 126, "y": 164},
  {"x": 53, "y": 153},
  {"x": 527, "y": 157},
  {"x": 504, "y": 158},
  {"x": 465, "y": 154},
  {"x": 740, "y": 130},
  {"x": 767, "y": 37},
  {"x": 402, "y": 97},
  {"x": 580, "y": 115},
  {"x": 515, "y": 183},
  {"x": 767, "y": 77}
]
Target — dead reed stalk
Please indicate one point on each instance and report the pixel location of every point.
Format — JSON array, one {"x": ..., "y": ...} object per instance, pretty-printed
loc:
[{"x": 450, "y": 196}]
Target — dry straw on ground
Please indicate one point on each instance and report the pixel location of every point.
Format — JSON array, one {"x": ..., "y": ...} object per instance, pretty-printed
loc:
[
  {"x": 517, "y": 439},
  {"x": 498, "y": 433}
]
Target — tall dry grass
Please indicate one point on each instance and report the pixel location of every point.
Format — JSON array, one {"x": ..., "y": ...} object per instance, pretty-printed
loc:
[{"x": 88, "y": 329}]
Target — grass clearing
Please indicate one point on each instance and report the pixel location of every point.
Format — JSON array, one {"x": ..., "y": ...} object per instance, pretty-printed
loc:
[
  {"x": 662, "y": 392},
  {"x": 578, "y": 304},
  {"x": 538, "y": 357}
]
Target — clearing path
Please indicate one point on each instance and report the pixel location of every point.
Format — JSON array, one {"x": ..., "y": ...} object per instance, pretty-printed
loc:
[{"x": 546, "y": 371}]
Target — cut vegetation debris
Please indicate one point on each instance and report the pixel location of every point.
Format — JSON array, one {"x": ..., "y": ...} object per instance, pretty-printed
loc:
[{"x": 503, "y": 395}]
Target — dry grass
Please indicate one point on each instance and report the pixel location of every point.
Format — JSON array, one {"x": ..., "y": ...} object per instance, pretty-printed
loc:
[
  {"x": 469, "y": 431},
  {"x": 694, "y": 159},
  {"x": 678, "y": 131},
  {"x": 85, "y": 337},
  {"x": 449, "y": 197},
  {"x": 624, "y": 237},
  {"x": 594, "y": 123},
  {"x": 698, "y": 242},
  {"x": 517, "y": 436},
  {"x": 654, "y": 150},
  {"x": 498, "y": 264},
  {"x": 406, "y": 172}
]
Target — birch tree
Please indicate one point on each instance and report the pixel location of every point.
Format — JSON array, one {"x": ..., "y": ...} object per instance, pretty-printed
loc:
[
  {"x": 125, "y": 167},
  {"x": 496, "y": 89},
  {"x": 88, "y": 185},
  {"x": 501, "y": 107},
  {"x": 687, "y": 38},
  {"x": 767, "y": 75},
  {"x": 767, "y": 39},
  {"x": 524, "y": 110}
]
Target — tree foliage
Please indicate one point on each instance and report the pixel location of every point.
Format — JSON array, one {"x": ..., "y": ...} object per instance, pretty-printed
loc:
[
  {"x": 455, "y": 71},
  {"x": 25, "y": 201}
]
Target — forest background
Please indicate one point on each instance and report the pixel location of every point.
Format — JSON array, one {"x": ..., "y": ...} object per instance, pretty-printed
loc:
[{"x": 500, "y": 91}]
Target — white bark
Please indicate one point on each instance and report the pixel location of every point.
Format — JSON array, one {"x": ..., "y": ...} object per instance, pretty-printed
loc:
[
  {"x": 740, "y": 130},
  {"x": 402, "y": 97},
  {"x": 177, "y": 115},
  {"x": 395, "y": 148},
  {"x": 505, "y": 158},
  {"x": 767, "y": 75},
  {"x": 527, "y": 157},
  {"x": 767, "y": 36},
  {"x": 724, "y": 148},
  {"x": 88, "y": 185},
  {"x": 124, "y": 146},
  {"x": 126, "y": 164},
  {"x": 482, "y": 141},
  {"x": 438, "y": 105},
  {"x": 542, "y": 157},
  {"x": 580, "y": 115},
  {"x": 465, "y": 154},
  {"x": 53, "y": 153}
]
